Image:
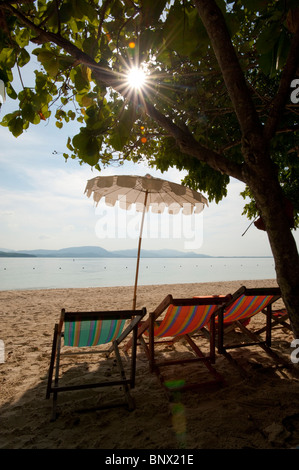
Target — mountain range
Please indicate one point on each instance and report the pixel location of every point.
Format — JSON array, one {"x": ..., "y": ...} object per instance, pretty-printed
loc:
[{"x": 98, "y": 252}]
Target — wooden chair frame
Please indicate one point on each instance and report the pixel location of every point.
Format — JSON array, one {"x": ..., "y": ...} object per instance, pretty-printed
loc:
[
  {"x": 255, "y": 339},
  {"x": 279, "y": 318},
  {"x": 134, "y": 316},
  {"x": 149, "y": 346}
]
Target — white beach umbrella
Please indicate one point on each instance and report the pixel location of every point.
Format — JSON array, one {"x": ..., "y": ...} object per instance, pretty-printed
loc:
[{"x": 145, "y": 192}]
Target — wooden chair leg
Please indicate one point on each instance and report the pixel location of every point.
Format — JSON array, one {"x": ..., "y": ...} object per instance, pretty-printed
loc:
[
  {"x": 126, "y": 389},
  {"x": 52, "y": 362},
  {"x": 55, "y": 393},
  {"x": 151, "y": 344}
]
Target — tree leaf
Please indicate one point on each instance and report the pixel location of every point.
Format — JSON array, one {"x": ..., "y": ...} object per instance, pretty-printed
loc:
[
  {"x": 7, "y": 58},
  {"x": 122, "y": 130},
  {"x": 28, "y": 112},
  {"x": 23, "y": 58},
  {"x": 79, "y": 77},
  {"x": 184, "y": 32},
  {"x": 87, "y": 146},
  {"x": 16, "y": 126},
  {"x": 11, "y": 92},
  {"x": 22, "y": 37},
  {"x": 49, "y": 61},
  {"x": 268, "y": 38},
  {"x": 151, "y": 11}
]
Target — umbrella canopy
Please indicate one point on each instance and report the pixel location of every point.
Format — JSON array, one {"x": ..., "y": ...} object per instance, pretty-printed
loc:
[{"x": 145, "y": 192}]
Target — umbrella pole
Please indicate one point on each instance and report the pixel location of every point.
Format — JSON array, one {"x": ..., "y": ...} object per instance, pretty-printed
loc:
[{"x": 138, "y": 254}]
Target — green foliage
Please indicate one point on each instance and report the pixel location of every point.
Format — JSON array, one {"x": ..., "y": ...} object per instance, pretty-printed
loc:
[
  {"x": 184, "y": 84},
  {"x": 184, "y": 32},
  {"x": 122, "y": 130}
]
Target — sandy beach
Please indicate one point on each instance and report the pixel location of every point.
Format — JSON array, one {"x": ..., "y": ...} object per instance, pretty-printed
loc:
[{"x": 257, "y": 412}]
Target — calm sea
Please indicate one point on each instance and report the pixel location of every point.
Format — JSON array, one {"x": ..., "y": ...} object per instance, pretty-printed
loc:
[{"x": 50, "y": 273}]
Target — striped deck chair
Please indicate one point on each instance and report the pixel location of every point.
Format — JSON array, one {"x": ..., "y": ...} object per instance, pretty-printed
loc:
[
  {"x": 280, "y": 318},
  {"x": 228, "y": 325},
  {"x": 83, "y": 333},
  {"x": 183, "y": 318},
  {"x": 246, "y": 303}
]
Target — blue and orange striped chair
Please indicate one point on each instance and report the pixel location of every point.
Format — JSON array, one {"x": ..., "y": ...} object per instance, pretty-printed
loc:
[
  {"x": 183, "y": 318},
  {"x": 244, "y": 304},
  {"x": 90, "y": 330}
]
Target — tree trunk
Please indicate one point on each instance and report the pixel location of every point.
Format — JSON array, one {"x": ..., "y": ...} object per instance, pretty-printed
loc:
[
  {"x": 270, "y": 201},
  {"x": 287, "y": 269}
]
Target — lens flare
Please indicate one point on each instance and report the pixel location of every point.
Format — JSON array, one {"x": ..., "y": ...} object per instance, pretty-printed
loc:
[{"x": 136, "y": 78}]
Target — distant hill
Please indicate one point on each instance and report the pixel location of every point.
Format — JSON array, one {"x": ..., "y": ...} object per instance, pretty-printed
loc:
[
  {"x": 74, "y": 252},
  {"x": 98, "y": 252},
  {"x": 9, "y": 254},
  {"x": 158, "y": 254}
]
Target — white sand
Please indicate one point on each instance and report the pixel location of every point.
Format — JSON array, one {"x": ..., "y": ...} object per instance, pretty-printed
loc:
[{"x": 258, "y": 412}]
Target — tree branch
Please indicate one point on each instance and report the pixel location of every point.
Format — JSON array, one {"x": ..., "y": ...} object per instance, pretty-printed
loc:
[
  {"x": 278, "y": 104},
  {"x": 105, "y": 75},
  {"x": 233, "y": 75},
  {"x": 16, "y": 2},
  {"x": 288, "y": 129},
  {"x": 190, "y": 146}
]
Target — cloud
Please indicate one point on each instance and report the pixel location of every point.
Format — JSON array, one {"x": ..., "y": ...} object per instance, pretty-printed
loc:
[
  {"x": 7, "y": 213},
  {"x": 44, "y": 237}
]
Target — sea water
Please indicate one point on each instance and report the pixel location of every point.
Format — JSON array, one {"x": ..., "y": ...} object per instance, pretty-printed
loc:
[{"x": 50, "y": 273}]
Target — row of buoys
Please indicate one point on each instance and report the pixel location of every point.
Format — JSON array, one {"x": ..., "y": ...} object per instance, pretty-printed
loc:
[{"x": 105, "y": 267}]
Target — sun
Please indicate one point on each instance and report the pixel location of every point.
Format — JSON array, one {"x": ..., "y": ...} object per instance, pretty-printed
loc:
[{"x": 136, "y": 78}]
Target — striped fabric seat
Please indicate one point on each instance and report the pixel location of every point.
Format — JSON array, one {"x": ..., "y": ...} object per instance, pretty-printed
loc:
[
  {"x": 280, "y": 312},
  {"x": 92, "y": 333},
  {"x": 246, "y": 303},
  {"x": 92, "y": 328},
  {"x": 246, "y": 306},
  {"x": 182, "y": 320}
]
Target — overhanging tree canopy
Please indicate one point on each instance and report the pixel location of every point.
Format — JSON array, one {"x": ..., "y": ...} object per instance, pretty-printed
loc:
[{"x": 220, "y": 78}]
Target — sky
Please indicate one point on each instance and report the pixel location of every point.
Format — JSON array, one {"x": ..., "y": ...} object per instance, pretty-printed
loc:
[{"x": 43, "y": 205}]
